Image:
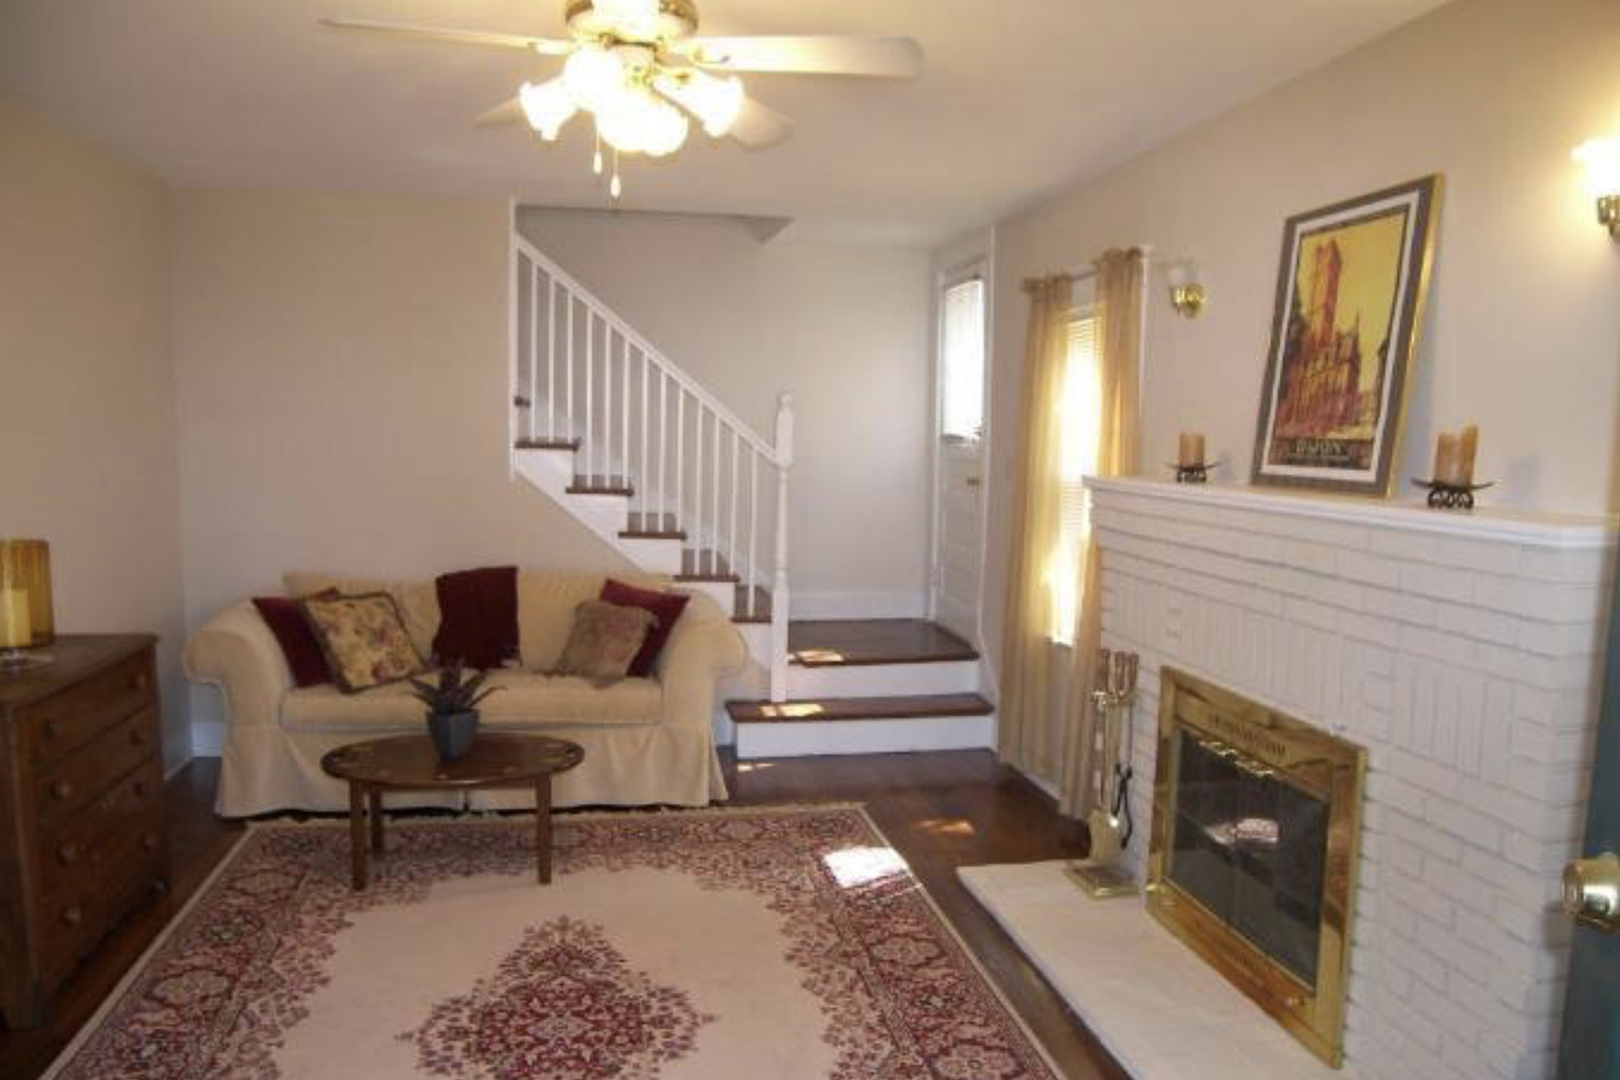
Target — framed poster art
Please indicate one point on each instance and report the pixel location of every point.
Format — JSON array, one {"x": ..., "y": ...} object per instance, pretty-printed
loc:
[{"x": 1350, "y": 294}]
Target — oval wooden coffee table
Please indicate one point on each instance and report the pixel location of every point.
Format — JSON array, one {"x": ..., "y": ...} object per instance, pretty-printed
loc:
[{"x": 410, "y": 763}]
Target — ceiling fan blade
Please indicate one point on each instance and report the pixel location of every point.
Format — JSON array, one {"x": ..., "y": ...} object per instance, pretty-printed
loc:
[
  {"x": 877, "y": 57},
  {"x": 506, "y": 113},
  {"x": 758, "y": 127},
  {"x": 543, "y": 46}
]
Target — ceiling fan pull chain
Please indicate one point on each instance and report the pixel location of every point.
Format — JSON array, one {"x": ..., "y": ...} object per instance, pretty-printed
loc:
[
  {"x": 615, "y": 188},
  {"x": 596, "y": 162}
]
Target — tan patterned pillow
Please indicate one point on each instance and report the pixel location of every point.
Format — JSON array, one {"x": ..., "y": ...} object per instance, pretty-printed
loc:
[
  {"x": 604, "y": 640},
  {"x": 363, "y": 639}
]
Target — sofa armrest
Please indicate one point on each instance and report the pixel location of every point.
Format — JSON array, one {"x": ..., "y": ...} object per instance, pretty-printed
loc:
[
  {"x": 704, "y": 649},
  {"x": 236, "y": 651}
]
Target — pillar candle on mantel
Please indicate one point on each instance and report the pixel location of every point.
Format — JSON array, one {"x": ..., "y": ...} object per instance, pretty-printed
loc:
[
  {"x": 16, "y": 628},
  {"x": 1191, "y": 450},
  {"x": 1454, "y": 456}
]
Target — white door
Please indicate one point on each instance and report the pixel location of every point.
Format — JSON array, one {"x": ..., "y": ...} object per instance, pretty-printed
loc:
[{"x": 959, "y": 498}]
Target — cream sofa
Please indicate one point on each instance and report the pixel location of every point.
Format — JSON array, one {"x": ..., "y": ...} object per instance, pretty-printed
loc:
[{"x": 646, "y": 741}]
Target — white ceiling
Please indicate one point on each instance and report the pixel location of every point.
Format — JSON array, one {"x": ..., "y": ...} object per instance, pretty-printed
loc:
[{"x": 1020, "y": 97}]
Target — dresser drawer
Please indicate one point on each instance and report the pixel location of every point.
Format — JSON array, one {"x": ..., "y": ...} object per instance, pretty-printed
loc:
[
  {"x": 76, "y": 844},
  {"x": 79, "y": 781},
  {"x": 64, "y": 722},
  {"x": 77, "y": 914}
]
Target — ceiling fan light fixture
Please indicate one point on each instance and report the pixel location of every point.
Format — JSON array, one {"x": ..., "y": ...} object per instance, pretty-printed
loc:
[
  {"x": 638, "y": 122},
  {"x": 715, "y": 102},
  {"x": 547, "y": 106},
  {"x": 593, "y": 75}
]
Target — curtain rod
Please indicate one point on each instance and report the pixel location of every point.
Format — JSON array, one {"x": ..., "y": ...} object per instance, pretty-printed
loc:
[{"x": 1089, "y": 270}]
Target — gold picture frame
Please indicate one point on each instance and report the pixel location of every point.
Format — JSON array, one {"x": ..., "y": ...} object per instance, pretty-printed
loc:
[{"x": 1351, "y": 287}]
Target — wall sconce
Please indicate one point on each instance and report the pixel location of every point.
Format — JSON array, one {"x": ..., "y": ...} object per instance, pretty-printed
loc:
[
  {"x": 1187, "y": 293},
  {"x": 1601, "y": 157}
]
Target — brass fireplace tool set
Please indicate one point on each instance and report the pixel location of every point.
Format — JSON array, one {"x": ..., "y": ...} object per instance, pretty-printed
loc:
[{"x": 1110, "y": 823}]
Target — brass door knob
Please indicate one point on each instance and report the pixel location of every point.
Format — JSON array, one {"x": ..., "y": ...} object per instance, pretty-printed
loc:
[
  {"x": 61, "y": 790},
  {"x": 1592, "y": 891},
  {"x": 73, "y": 915}
]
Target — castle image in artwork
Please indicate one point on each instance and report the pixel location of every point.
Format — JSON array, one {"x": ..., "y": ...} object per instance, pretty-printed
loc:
[{"x": 1331, "y": 388}]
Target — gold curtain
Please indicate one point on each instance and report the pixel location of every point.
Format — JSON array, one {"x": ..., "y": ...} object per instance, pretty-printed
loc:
[
  {"x": 1119, "y": 311},
  {"x": 1028, "y": 695}
]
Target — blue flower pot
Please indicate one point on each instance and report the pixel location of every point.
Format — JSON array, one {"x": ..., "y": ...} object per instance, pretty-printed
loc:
[{"x": 453, "y": 734}]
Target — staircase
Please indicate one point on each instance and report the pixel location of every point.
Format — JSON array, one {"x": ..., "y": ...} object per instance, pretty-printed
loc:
[{"x": 636, "y": 450}]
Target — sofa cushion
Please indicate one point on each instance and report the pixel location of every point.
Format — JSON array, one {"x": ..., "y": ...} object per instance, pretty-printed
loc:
[
  {"x": 363, "y": 640},
  {"x": 604, "y": 640},
  {"x": 665, "y": 608},
  {"x": 478, "y": 623},
  {"x": 527, "y": 701},
  {"x": 546, "y": 603},
  {"x": 418, "y": 601},
  {"x": 302, "y": 651}
]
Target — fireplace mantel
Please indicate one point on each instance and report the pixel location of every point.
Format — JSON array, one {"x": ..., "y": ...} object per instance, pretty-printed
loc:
[{"x": 1487, "y": 523}]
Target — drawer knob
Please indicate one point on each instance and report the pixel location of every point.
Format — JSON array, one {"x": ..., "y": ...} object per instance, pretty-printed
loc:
[
  {"x": 150, "y": 841},
  {"x": 53, "y": 729},
  {"x": 69, "y": 853},
  {"x": 138, "y": 680},
  {"x": 73, "y": 915},
  {"x": 61, "y": 790},
  {"x": 140, "y": 788}
]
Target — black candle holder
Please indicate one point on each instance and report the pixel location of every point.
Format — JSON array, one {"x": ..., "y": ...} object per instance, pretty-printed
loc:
[
  {"x": 1448, "y": 496},
  {"x": 1194, "y": 474}
]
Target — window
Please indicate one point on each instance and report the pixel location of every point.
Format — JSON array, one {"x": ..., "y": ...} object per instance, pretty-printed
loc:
[
  {"x": 1080, "y": 415},
  {"x": 961, "y": 367}
]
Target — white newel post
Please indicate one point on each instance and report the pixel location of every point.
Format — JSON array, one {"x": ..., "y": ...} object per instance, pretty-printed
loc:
[{"x": 779, "y": 588}]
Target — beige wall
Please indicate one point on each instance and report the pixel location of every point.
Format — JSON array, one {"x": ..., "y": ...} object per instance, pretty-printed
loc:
[
  {"x": 846, "y": 329},
  {"x": 342, "y": 366},
  {"x": 1523, "y": 330},
  {"x": 87, "y": 422}
]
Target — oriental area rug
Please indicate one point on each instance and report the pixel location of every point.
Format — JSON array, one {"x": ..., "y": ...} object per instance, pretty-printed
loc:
[{"x": 784, "y": 943}]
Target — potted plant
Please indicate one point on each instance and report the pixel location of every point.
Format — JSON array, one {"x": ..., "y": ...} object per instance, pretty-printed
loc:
[{"x": 452, "y": 717}]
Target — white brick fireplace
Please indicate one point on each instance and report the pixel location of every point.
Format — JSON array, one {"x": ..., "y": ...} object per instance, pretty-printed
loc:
[{"x": 1463, "y": 651}]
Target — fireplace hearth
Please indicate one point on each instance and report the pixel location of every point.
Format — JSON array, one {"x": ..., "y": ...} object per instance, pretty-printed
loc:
[{"x": 1252, "y": 862}]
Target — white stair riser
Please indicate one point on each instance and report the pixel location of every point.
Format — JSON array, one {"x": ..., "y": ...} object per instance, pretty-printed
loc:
[
  {"x": 883, "y": 680},
  {"x": 721, "y": 592},
  {"x": 812, "y": 739},
  {"x": 653, "y": 556}
]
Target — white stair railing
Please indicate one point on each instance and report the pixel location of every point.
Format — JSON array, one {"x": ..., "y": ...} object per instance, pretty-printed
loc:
[{"x": 581, "y": 373}]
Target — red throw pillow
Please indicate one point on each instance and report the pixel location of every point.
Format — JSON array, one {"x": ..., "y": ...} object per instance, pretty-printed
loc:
[
  {"x": 665, "y": 608},
  {"x": 297, "y": 641},
  {"x": 478, "y": 623}
]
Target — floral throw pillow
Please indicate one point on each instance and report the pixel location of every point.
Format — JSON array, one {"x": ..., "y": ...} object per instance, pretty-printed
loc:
[
  {"x": 363, "y": 639},
  {"x": 605, "y": 638}
]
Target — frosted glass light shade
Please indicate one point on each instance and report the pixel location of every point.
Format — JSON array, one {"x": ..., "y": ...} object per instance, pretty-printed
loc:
[
  {"x": 593, "y": 76},
  {"x": 716, "y": 102},
  {"x": 547, "y": 106},
  {"x": 27, "y": 619},
  {"x": 1601, "y": 158}
]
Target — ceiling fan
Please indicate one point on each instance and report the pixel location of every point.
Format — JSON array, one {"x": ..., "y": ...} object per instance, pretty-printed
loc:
[{"x": 637, "y": 67}]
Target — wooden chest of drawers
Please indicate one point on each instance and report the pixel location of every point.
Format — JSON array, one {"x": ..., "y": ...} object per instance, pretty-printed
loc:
[{"x": 82, "y": 836}]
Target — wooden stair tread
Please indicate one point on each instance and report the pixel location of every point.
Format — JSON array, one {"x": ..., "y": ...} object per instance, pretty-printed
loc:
[
  {"x": 705, "y": 566},
  {"x": 851, "y": 642},
  {"x": 548, "y": 444},
  {"x": 869, "y": 708},
  {"x": 601, "y": 485},
  {"x": 653, "y": 527}
]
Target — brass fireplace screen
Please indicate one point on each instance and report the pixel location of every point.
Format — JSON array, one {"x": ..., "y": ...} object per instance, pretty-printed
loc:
[{"x": 1252, "y": 859}]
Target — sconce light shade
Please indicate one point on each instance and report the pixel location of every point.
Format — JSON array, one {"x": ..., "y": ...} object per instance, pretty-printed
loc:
[
  {"x": 1601, "y": 159},
  {"x": 27, "y": 619},
  {"x": 1187, "y": 293}
]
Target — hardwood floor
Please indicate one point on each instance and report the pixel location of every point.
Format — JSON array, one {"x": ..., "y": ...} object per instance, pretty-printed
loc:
[
  {"x": 940, "y": 810},
  {"x": 837, "y": 642}
]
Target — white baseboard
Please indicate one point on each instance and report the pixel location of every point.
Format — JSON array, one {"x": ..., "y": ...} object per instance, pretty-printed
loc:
[
  {"x": 859, "y": 605},
  {"x": 207, "y": 738}
]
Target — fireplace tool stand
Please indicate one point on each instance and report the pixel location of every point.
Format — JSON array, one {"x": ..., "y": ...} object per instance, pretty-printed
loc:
[{"x": 1110, "y": 823}]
